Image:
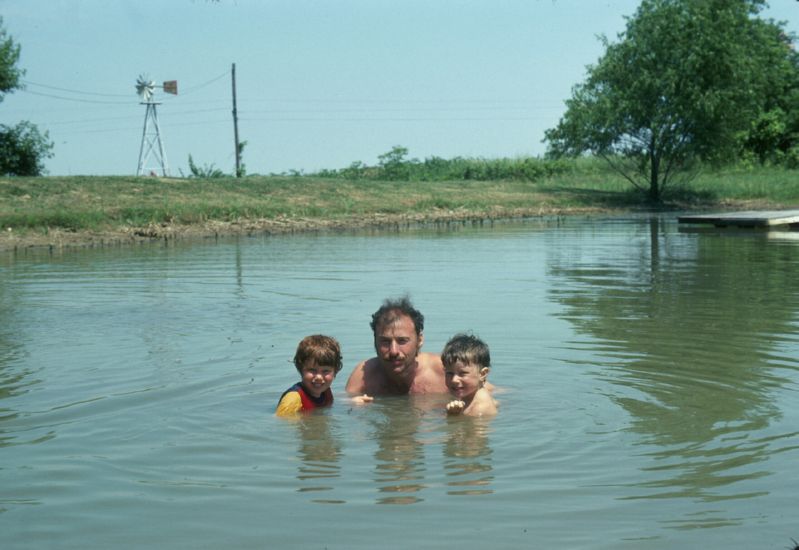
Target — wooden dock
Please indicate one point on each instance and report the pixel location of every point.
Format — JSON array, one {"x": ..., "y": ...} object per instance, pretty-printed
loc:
[{"x": 746, "y": 219}]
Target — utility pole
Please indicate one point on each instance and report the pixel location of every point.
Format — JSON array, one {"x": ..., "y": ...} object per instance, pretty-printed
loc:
[{"x": 236, "y": 124}]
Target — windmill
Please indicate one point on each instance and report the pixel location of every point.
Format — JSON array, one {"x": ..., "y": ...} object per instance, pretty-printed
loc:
[{"x": 151, "y": 143}]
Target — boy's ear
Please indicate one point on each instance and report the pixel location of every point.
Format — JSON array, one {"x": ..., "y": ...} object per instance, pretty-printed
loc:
[{"x": 484, "y": 373}]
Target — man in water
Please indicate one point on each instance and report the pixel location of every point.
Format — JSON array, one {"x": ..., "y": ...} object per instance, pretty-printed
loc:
[{"x": 399, "y": 368}]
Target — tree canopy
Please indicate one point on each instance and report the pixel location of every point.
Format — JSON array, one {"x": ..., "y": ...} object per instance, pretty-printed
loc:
[
  {"x": 22, "y": 147},
  {"x": 684, "y": 83},
  {"x": 10, "y": 74}
]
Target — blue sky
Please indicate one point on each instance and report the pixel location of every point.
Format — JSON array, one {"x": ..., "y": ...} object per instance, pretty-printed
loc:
[{"x": 320, "y": 83}]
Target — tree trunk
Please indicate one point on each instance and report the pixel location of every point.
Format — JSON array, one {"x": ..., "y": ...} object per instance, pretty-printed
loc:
[{"x": 654, "y": 172}]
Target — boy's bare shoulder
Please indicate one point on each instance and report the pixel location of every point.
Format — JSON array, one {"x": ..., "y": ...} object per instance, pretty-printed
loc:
[{"x": 483, "y": 404}]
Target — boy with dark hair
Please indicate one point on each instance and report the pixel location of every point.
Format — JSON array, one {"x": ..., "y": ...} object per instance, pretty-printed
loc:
[{"x": 466, "y": 364}]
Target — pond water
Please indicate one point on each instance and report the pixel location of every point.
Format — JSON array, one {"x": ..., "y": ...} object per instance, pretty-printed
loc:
[{"x": 648, "y": 379}]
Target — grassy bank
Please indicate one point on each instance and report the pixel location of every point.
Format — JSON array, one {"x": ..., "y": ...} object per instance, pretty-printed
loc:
[{"x": 87, "y": 210}]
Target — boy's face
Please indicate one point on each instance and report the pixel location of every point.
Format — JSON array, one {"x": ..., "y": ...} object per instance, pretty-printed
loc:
[
  {"x": 464, "y": 379},
  {"x": 316, "y": 379}
]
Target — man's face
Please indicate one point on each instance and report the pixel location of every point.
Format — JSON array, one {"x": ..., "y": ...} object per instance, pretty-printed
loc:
[{"x": 397, "y": 344}]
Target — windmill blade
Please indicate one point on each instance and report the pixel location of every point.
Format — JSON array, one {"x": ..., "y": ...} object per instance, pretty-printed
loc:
[{"x": 145, "y": 87}]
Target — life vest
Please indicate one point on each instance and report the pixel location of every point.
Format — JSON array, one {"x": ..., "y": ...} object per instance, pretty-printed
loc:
[{"x": 309, "y": 402}]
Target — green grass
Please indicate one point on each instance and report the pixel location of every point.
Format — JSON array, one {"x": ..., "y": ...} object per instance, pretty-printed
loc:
[
  {"x": 769, "y": 184},
  {"x": 109, "y": 203}
]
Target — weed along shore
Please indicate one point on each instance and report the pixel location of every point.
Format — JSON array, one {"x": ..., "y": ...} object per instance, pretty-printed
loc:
[
  {"x": 81, "y": 211},
  {"x": 172, "y": 232}
]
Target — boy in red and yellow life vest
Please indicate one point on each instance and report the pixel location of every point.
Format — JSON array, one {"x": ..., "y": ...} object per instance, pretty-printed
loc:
[{"x": 318, "y": 360}]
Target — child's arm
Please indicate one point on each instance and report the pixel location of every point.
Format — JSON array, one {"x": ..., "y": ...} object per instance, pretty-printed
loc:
[
  {"x": 289, "y": 405},
  {"x": 362, "y": 399},
  {"x": 455, "y": 406}
]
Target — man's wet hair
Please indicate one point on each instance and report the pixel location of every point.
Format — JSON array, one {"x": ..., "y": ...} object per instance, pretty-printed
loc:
[
  {"x": 466, "y": 349},
  {"x": 393, "y": 309}
]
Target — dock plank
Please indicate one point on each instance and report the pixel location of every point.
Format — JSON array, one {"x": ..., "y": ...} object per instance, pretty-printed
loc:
[{"x": 752, "y": 218}]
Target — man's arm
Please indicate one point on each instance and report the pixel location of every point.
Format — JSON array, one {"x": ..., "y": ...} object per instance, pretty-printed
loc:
[{"x": 356, "y": 383}]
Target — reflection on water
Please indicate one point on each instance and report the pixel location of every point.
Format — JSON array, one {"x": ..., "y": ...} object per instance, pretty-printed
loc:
[
  {"x": 13, "y": 381},
  {"x": 319, "y": 453},
  {"x": 399, "y": 459},
  {"x": 468, "y": 456},
  {"x": 404, "y": 433},
  {"x": 687, "y": 335},
  {"x": 652, "y": 380},
  {"x": 407, "y": 430}
]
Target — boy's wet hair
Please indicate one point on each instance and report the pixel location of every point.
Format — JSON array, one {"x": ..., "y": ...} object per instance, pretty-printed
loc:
[
  {"x": 323, "y": 350},
  {"x": 391, "y": 310},
  {"x": 466, "y": 348}
]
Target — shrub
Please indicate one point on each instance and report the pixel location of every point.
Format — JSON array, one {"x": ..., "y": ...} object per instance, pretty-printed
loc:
[{"x": 23, "y": 150}]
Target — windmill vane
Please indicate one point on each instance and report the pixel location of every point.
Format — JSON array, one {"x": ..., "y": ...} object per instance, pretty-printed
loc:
[{"x": 145, "y": 87}]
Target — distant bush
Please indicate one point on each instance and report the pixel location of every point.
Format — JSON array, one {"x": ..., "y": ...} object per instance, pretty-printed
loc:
[
  {"x": 204, "y": 172},
  {"x": 23, "y": 150},
  {"x": 393, "y": 166}
]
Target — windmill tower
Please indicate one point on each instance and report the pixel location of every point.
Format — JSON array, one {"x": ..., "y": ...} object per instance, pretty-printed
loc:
[{"x": 151, "y": 143}]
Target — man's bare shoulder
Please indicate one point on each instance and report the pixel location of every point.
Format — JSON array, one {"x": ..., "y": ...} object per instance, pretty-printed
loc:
[
  {"x": 367, "y": 377},
  {"x": 430, "y": 376},
  {"x": 355, "y": 382},
  {"x": 430, "y": 360}
]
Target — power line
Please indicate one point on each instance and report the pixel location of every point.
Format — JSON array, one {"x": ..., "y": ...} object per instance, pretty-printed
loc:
[
  {"x": 188, "y": 90},
  {"x": 77, "y": 100},
  {"x": 390, "y": 100},
  {"x": 315, "y": 110},
  {"x": 192, "y": 89},
  {"x": 128, "y": 129},
  {"x": 29, "y": 83},
  {"x": 397, "y": 110},
  {"x": 396, "y": 119}
]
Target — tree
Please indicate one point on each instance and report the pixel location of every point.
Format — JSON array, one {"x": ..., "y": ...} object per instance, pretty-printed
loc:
[
  {"x": 393, "y": 164},
  {"x": 773, "y": 136},
  {"x": 10, "y": 74},
  {"x": 23, "y": 150},
  {"x": 22, "y": 147},
  {"x": 682, "y": 84}
]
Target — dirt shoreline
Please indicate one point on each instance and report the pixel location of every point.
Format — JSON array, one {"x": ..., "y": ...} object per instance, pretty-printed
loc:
[{"x": 65, "y": 239}]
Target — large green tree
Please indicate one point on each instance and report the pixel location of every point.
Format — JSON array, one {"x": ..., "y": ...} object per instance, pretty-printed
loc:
[
  {"x": 773, "y": 136},
  {"x": 10, "y": 74},
  {"x": 22, "y": 147},
  {"x": 681, "y": 84}
]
